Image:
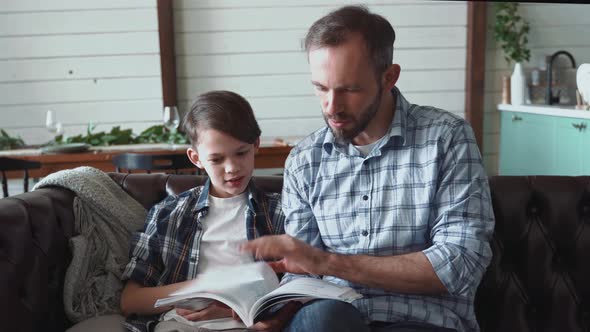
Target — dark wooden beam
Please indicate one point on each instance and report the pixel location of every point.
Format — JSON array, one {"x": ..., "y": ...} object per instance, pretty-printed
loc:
[
  {"x": 167, "y": 54},
  {"x": 475, "y": 69}
]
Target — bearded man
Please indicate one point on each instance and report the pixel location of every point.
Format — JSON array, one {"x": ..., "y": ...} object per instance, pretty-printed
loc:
[{"x": 390, "y": 198}]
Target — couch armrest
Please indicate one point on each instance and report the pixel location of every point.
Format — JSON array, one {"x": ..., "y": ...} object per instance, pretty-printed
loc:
[{"x": 34, "y": 254}]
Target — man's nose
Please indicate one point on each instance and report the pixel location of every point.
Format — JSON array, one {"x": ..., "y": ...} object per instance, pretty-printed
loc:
[{"x": 331, "y": 103}]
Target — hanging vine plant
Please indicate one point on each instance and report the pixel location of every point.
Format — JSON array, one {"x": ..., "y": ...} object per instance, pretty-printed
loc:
[{"x": 511, "y": 31}]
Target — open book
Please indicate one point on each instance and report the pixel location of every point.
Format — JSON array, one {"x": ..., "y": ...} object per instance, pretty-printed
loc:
[{"x": 250, "y": 289}]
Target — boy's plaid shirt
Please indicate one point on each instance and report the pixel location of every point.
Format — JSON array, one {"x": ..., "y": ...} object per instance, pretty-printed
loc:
[{"x": 167, "y": 250}]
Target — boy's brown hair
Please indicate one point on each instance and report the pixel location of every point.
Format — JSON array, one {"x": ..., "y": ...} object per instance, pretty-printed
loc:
[{"x": 225, "y": 111}]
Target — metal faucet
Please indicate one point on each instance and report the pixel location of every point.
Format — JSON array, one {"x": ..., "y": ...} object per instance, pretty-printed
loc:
[{"x": 549, "y": 99}]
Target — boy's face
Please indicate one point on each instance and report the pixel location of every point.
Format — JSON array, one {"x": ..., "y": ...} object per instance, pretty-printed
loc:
[{"x": 228, "y": 162}]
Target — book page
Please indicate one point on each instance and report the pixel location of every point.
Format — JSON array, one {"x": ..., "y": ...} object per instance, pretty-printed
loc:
[
  {"x": 303, "y": 289},
  {"x": 239, "y": 287},
  {"x": 229, "y": 277},
  {"x": 246, "y": 295}
]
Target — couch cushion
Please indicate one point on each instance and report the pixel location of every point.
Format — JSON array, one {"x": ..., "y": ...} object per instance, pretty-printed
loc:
[{"x": 107, "y": 323}]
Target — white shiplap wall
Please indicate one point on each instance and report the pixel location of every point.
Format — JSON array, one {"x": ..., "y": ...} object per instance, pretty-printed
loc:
[
  {"x": 89, "y": 61},
  {"x": 254, "y": 48},
  {"x": 553, "y": 27}
]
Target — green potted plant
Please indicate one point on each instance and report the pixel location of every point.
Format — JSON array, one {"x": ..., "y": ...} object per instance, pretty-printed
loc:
[
  {"x": 511, "y": 32},
  {"x": 7, "y": 142}
]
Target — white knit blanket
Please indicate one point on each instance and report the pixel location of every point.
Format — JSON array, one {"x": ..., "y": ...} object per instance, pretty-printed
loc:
[{"x": 105, "y": 216}]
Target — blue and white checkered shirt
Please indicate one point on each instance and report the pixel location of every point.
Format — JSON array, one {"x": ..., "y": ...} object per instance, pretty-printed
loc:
[{"x": 421, "y": 188}]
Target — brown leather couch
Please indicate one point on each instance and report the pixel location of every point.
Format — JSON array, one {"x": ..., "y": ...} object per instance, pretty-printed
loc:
[{"x": 537, "y": 281}]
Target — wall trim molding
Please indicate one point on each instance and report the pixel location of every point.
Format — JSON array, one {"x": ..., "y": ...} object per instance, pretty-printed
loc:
[
  {"x": 167, "y": 53},
  {"x": 475, "y": 67}
]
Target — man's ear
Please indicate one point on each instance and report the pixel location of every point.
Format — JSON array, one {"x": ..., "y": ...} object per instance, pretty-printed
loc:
[
  {"x": 390, "y": 76},
  {"x": 193, "y": 155}
]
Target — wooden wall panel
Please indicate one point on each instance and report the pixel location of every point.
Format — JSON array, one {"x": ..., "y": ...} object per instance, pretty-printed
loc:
[
  {"x": 254, "y": 48},
  {"x": 88, "y": 61}
]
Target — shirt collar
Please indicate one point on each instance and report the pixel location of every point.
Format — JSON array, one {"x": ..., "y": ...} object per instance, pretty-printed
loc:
[
  {"x": 253, "y": 196},
  {"x": 397, "y": 127},
  {"x": 203, "y": 198},
  {"x": 398, "y": 124}
]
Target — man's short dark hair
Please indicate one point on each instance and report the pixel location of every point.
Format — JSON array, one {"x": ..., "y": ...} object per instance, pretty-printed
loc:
[
  {"x": 337, "y": 27},
  {"x": 225, "y": 111}
]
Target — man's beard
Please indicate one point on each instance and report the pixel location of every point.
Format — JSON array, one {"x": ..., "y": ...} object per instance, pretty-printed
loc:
[{"x": 347, "y": 135}]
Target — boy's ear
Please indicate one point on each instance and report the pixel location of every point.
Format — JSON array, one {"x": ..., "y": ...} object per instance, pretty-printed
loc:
[
  {"x": 257, "y": 143},
  {"x": 193, "y": 155}
]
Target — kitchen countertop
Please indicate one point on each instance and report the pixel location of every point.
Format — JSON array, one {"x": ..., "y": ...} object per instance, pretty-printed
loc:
[{"x": 560, "y": 110}]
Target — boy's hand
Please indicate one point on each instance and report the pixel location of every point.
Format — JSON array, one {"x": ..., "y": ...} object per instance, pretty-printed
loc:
[
  {"x": 214, "y": 311},
  {"x": 279, "y": 320}
]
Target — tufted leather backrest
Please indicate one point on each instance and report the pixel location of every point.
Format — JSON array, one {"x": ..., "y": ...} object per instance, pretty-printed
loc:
[
  {"x": 537, "y": 280},
  {"x": 149, "y": 189},
  {"x": 34, "y": 231}
]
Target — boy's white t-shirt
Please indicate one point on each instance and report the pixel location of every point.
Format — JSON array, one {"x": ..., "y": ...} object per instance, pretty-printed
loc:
[{"x": 223, "y": 228}]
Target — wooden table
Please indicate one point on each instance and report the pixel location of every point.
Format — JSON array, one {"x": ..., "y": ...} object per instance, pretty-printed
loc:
[{"x": 100, "y": 157}]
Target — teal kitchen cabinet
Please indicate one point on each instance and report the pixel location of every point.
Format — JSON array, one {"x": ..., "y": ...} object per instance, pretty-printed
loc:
[
  {"x": 544, "y": 141},
  {"x": 524, "y": 141},
  {"x": 573, "y": 146}
]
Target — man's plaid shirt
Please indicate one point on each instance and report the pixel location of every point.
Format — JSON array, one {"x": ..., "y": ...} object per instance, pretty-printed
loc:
[
  {"x": 167, "y": 250},
  {"x": 421, "y": 188}
]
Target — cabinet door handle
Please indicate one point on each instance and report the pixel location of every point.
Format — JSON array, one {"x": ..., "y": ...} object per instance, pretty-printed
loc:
[
  {"x": 516, "y": 118},
  {"x": 580, "y": 126}
]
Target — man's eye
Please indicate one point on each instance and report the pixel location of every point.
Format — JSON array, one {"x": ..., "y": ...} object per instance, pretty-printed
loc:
[
  {"x": 320, "y": 88},
  {"x": 242, "y": 153},
  {"x": 215, "y": 161}
]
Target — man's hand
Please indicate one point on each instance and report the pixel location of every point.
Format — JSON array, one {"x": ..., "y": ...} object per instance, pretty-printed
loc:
[
  {"x": 292, "y": 255},
  {"x": 279, "y": 320},
  {"x": 410, "y": 273},
  {"x": 214, "y": 311}
]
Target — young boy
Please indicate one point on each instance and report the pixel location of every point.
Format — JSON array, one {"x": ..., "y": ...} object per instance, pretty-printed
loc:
[{"x": 195, "y": 231}]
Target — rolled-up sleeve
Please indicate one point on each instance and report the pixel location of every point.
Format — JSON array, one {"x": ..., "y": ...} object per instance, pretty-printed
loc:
[{"x": 463, "y": 219}]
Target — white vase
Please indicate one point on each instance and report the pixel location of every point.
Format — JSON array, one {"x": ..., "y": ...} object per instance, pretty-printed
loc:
[{"x": 517, "y": 85}]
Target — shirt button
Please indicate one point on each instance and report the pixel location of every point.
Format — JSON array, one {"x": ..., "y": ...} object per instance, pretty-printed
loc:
[
  {"x": 193, "y": 259},
  {"x": 365, "y": 197},
  {"x": 365, "y": 233}
]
